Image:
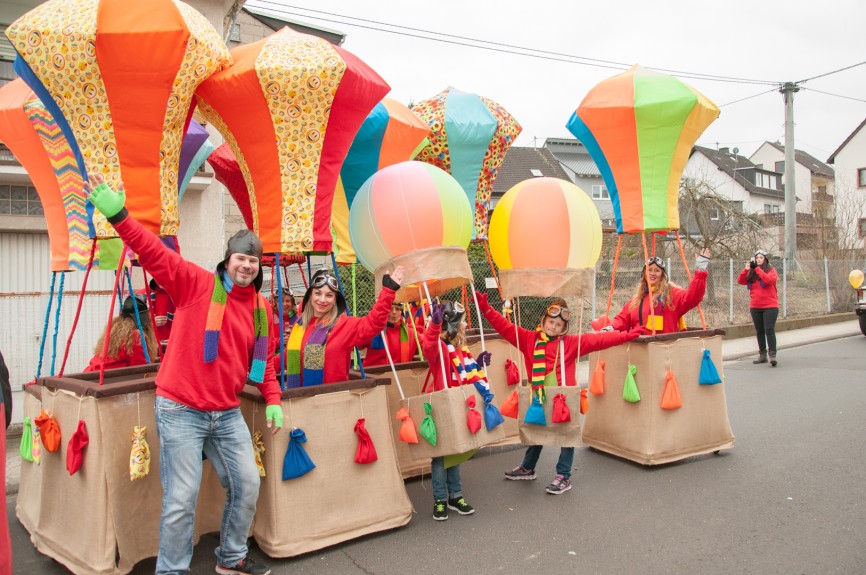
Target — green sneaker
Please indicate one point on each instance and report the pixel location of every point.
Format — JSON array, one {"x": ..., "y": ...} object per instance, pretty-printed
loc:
[
  {"x": 460, "y": 506},
  {"x": 440, "y": 511}
]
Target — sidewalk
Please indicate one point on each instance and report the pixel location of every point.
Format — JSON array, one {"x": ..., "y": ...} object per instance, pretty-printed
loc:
[{"x": 732, "y": 349}]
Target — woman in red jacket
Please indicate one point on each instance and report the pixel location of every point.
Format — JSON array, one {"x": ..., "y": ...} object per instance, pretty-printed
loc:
[
  {"x": 669, "y": 302},
  {"x": 759, "y": 276},
  {"x": 124, "y": 343},
  {"x": 321, "y": 341},
  {"x": 559, "y": 350}
]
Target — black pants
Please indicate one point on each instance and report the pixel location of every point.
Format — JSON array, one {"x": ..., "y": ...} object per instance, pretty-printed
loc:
[{"x": 765, "y": 327}]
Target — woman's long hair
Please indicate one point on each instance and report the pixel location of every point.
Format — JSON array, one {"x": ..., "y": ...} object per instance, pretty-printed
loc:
[
  {"x": 663, "y": 292},
  {"x": 124, "y": 334},
  {"x": 752, "y": 276},
  {"x": 459, "y": 339},
  {"x": 327, "y": 320}
]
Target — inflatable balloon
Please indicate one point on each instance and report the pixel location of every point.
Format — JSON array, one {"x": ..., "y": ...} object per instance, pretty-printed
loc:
[
  {"x": 390, "y": 134},
  {"x": 855, "y": 278},
  {"x": 415, "y": 215},
  {"x": 545, "y": 237},
  {"x": 639, "y": 127},
  {"x": 123, "y": 107},
  {"x": 288, "y": 109},
  {"x": 470, "y": 137}
]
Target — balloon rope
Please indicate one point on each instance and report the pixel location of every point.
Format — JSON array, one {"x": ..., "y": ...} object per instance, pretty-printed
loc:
[
  {"x": 135, "y": 310},
  {"x": 107, "y": 337},
  {"x": 652, "y": 306},
  {"x": 465, "y": 306},
  {"x": 689, "y": 274},
  {"x": 355, "y": 358},
  {"x": 57, "y": 322},
  {"x": 653, "y": 236},
  {"x": 45, "y": 325},
  {"x": 613, "y": 276},
  {"x": 78, "y": 310},
  {"x": 493, "y": 269},
  {"x": 151, "y": 299},
  {"x": 516, "y": 306},
  {"x": 357, "y": 352},
  {"x": 480, "y": 323},
  {"x": 303, "y": 277},
  {"x": 275, "y": 272},
  {"x": 391, "y": 363},
  {"x": 579, "y": 341},
  {"x": 411, "y": 321},
  {"x": 441, "y": 357}
]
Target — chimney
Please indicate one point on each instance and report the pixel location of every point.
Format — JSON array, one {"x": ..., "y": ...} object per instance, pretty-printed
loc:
[{"x": 725, "y": 150}]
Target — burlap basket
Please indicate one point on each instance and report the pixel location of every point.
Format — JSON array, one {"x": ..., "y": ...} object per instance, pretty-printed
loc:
[
  {"x": 449, "y": 415},
  {"x": 565, "y": 434},
  {"x": 500, "y": 350},
  {"x": 644, "y": 432},
  {"x": 448, "y": 264},
  {"x": 323, "y": 507},
  {"x": 98, "y": 521}
]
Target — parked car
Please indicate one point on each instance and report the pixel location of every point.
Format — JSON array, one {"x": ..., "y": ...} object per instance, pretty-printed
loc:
[{"x": 860, "y": 308}]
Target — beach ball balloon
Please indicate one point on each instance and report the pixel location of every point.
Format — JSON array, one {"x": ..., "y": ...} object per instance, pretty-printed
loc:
[
  {"x": 545, "y": 237},
  {"x": 855, "y": 278},
  {"x": 415, "y": 215}
]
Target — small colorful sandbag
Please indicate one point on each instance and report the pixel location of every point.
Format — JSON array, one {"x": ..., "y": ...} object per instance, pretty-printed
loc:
[
  {"x": 296, "y": 462},
  {"x": 492, "y": 417},
  {"x": 407, "y": 427},
  {"x": 630, "y": 392},
  {"x": 26, "y": 447},
  {"x": 512, "y": 374},
  {"x": 473, "y": 418},
  {"x": 671, "y": 394},
  {"x": 584, "y": 402},
  {"x": 49, "y": 431},
  {"x": 709, "y": 374},
  {"x": 37, "y": 446},
  {"x": 259, "y": 451},
  {"x": 75, "y": 448},
  {"x": 428, "y": 426},
  {"x": 535, "y": 412},
  {"x": 509, "y": 407},
  {"x": 139, "y": 456},
  {"x": 561, "y": 411},
  {"x": 596, "y": 383},
  {"x": 366, "y": 451}
]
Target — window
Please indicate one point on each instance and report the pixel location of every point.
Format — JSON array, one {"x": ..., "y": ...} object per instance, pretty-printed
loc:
[
  {"x": 766, "y": 181},
  {"x": 235, "y": 35},
  {"x": 861, "y": 177},
  {"x": 861, "y": 227},
  {"x": 822, "y": 189},
  {"x": 20, "y": 201},
  {"x": 714, "y": 214},
  {"x": 536, "y": 173},
  {"x": 771, "y": 209},
  {"x": 599, "y": 193}
]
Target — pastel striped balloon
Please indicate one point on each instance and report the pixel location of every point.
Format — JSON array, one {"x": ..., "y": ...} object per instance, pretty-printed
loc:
[
  {"x": 545, "y": 223},
  {"x": 408, "y": 207}
]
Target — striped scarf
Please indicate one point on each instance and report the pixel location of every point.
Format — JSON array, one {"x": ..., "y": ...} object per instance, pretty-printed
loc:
[
  {"x": 215, "y": 314},
  {"x": 313, "y": 370},
  {"x": 406, "y": 351},
  {"x": 466, "y": 369},
  {"x": 539, "y": 365}
]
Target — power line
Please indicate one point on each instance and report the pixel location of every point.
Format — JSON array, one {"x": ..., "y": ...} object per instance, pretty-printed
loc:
[
  {"x": 493, "y": 46},
  {"x": 836, "y": 95},
  {"x": 749, "y": 97},
  {"x": 833, "y": 72}
]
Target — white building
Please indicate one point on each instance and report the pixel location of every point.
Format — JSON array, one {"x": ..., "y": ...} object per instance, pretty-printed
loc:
[{"x": 849, "y": 161}]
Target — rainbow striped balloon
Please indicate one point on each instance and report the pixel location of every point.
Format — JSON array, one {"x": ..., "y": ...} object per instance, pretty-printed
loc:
[
  {"x": 545, "y": 223},
  {"x": 639, "y": 127}
]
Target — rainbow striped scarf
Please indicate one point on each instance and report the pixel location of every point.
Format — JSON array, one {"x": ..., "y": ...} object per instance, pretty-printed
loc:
[
  {"x": 215, "y": 313},
  {"x": 539, "y": 365},
  {"x": 314, "y": 355},
  {"x": 466, "y": 370}
]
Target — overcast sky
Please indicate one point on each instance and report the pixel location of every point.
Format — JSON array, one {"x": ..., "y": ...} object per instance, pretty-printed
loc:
[{"x": 758, "y": 40}]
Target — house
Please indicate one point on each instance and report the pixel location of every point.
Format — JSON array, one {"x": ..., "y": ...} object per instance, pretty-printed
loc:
[
  {"x": 849, "y": 161},
  {"x": 581, "y": 169}
]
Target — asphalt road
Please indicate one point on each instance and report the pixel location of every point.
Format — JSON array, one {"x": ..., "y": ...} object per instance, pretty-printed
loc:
[{"x": 787, "y": 499}]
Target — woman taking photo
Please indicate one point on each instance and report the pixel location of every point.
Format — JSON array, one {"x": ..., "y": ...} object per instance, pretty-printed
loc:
[{"x": 759, "y": 276}]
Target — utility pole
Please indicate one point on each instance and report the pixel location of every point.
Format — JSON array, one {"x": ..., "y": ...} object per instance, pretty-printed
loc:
[{"x": 788, "y": 89}]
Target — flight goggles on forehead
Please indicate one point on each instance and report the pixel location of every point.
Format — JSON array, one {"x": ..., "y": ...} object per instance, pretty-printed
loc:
[
  {"x": 762, "y": 253},
  {"x": 326, "y": 278},
  {"x": 657, "y": 261},
  {"x": 554, "y": 310}
]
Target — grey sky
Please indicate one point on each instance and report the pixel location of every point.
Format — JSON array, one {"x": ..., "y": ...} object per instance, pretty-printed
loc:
[{"x": 771, "y": 40}]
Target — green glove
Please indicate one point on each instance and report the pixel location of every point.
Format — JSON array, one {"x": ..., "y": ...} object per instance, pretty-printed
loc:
[
  {"x": 274, "y": 413},
  {"x": 107, "y": 201}
]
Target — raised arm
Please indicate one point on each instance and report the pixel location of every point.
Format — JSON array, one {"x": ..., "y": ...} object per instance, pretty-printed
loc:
[
  {"x": 519, "y": 337},
  {"x": 374, "y": 322}
]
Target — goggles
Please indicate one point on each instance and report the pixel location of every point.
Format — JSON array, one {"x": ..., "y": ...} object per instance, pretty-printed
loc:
[
  {"x": 554, "y": 310},
  {"x": 326, "y": 278},
  {"x": 762, "y": 253},
  {"x": 657, "y": 261}
]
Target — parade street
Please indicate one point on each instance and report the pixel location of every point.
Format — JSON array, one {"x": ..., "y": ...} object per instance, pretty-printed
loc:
[{"x": 788, "y": 498}]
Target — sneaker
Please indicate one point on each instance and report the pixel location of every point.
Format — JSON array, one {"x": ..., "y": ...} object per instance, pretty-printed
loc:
[
  {"x": 245, "y": 567},
  {"x": 440, "y": 511},
  {"x": 460, "y": 506},
  {"x": 559, "y": 485},
  {"x": 520, "y": 473}
]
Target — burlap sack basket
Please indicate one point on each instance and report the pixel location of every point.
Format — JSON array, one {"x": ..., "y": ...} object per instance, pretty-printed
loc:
[
  {"x": 500, "y": 350},
  {"x": 565, "y": 434},
  {"x": 449, "y": 415},
  {"x": 323, "y": 507},
  {"x": 98, "y": 521},
  {"x": 644, "y": 432},
  {"x": 448, "y": 264}
]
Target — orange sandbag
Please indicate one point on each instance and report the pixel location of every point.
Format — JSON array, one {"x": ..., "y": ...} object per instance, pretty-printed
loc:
[
  {"x": 509, "y": 406},
  {"x": 671, "y": 394},
  {"x": 596, "y": 383},
  {"x": 407, "y": 428}
]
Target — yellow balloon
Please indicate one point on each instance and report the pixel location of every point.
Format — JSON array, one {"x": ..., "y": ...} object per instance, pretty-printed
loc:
[{"x": 855, "y": 278}]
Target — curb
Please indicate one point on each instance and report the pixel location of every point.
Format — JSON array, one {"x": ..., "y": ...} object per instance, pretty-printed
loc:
[{"x": 743, "y": 354}]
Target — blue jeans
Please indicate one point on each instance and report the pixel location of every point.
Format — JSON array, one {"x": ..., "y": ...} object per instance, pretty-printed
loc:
[
  {"x": 446, "y": 482},
  {"x": 223, "y": 436},
  {"x": 563, "y": 466}
]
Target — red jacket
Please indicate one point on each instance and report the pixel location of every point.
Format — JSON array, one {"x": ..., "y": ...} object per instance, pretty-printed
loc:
[
  {"x": 184, "y": 377},
  {"x": 123, "y": 358},
  {"x": 684, "y": 300},
  {"x": 762, "y": 293},
  {"x": 348, "y": 332},
  {"x": 401, "y": 351},
  {"x": 524, "y": 340},
  {"x": 433, "y": 346}
]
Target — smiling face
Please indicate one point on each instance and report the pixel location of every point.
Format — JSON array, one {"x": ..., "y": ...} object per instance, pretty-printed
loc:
[
  {"x": 288, "y": 305},
  {"x": 323, "y": 300},
  {"x": 654, "y": 274},
  {"x": 395, "y": 314},
  {"x": 760, "y": 259},
  {"x": 242, "y": 269},
  {"x": 553, "y": 326}
]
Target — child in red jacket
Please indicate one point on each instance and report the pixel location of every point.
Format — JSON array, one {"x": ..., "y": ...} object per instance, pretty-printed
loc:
[{"x": 759, "y": 276}]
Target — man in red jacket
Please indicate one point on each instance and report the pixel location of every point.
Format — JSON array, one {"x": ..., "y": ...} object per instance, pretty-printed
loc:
[{"x": 220, "y": 341}]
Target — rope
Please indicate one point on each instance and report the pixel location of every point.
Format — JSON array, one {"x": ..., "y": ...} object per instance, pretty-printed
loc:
[
  {"x": 393, "y": 369},
  {"x": 613, "y": 276},
  {"x": 465, "y": 303},
  {"x": 279, "y": 294},
  {"x": 493, "y": 269},
  {"x": 652, "y": 307},
  {"x": 117, "y": 275},
  {"x": 57, "y": 322},
  {"x": 303, "y": 277},
  {"x": 445, "y": 380},
  {"x": 689, "y": 274},
  {"x": 579, "y": 341},
  {"x": 78, "y": 310},
  {"x": 357, "y": 352},
  {"x": 480, "y": 323},
  {"x": 137, "y": 317},
  {"x": 45, "y": 325},
  {"x": 151, "y": 301}
]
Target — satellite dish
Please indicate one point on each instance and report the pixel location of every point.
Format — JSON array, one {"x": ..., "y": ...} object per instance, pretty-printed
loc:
[{"x": 736, "y": 151}]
